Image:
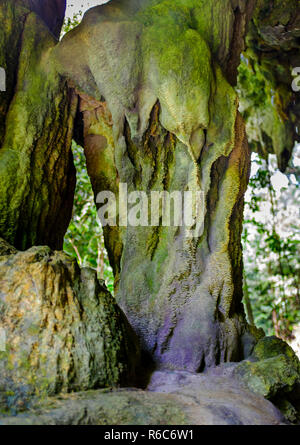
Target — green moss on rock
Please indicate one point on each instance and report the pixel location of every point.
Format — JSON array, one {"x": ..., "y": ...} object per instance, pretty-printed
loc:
[
  {"x": 159, "y": 68},
  {"x": 270, "y": 347},
  {"x": 273, "y": 370}
]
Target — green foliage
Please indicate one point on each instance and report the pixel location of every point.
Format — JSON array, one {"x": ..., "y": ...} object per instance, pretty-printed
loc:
[
  {"x": 271, "y": 252},
  {"x": 84, "y": 239},
  {"x": 70, "y": 23}
]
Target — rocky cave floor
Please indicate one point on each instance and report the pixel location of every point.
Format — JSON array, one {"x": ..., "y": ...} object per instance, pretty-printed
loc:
[
  {"x": 172, "y": 398},
  {"x": 66, "y": 337}
]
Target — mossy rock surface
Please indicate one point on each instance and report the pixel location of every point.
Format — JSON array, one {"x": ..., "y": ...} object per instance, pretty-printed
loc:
[
  {"x": 37, "y": 175},
  {"x": 173, "y": 398},
  {"x": 273, "y": 371},
  {"x": 64, "y": 331},
  {"x": 269, "y": 347},
  {"x": 269, "y": 377}
]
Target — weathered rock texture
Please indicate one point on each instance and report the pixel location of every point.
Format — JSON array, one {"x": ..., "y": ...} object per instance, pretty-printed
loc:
[
  {"x": 176, "y": 398},
  {"x": 37, "y": 176},
  {"x": 271, "y": 107},
  {"x": 150, "y": 85},
  {"x": 159, "y": 113},
  {"x": 64, "y": 331},
  {"x": 273, "y": 371}
]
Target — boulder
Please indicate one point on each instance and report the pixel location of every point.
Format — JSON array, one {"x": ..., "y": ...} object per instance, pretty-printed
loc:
[
  {"x": 173, "y": 398},
  {"x": 64, "y": 332},
  {"x": 51, "y": 11}
]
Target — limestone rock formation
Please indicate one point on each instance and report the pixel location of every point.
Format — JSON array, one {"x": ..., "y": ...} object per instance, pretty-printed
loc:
[
  {"x": 272, "y": 109},
  {"x": 64, "y": 331},
  {"x": 147, "y": 87},
  {"x": 37, "y": 176},
  {"x": 51, "y": 11},
  {"x": 273, "y": 371},
  {"x": 159, "y": 112}
]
